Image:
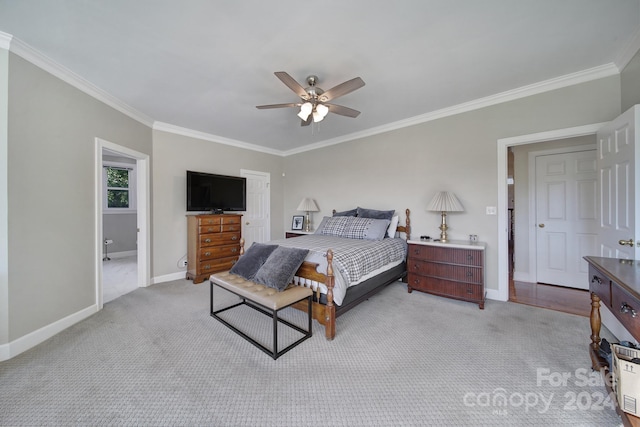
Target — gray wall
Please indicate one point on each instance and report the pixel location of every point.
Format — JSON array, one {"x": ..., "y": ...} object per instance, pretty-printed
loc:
[
  {"x": 51, "y": 207},
  {"x": 173, "y": 155},
  {"x": 404, "y": 168},
  {"x": 630, "y": 82}
]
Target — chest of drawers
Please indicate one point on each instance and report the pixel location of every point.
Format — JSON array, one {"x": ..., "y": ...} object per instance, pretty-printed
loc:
[
  {"x": 454, "y": 269},
  {"x": 213, "y": 244}
]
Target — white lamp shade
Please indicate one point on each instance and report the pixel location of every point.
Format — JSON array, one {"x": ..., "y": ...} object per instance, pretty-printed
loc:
[
  {"x": 305, "y": 110},
  {"x": 307, "y": 204},
  {"x": 322, "y": 109},
  {"x": 445, "y": 201}
]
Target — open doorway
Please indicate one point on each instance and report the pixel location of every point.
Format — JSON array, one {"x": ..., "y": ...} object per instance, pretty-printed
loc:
[
  {"x": 506, "y": 264},
  {"x": 122, "y": 221}
]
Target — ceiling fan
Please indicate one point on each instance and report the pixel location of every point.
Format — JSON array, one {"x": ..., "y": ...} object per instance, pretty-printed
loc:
[{"x": 314, "y": 106}]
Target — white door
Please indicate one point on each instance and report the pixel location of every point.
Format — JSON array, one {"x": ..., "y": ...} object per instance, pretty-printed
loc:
[
  {"x": 617, "y": 157},
  {"x": 255, "y": 222},
  {"x": 566, "y": 217}
]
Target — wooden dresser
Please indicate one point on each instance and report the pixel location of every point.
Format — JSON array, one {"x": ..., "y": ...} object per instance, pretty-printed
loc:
[
  {"x": 213, "y": 244},
  {"x": 454, "y": 269},
  {"x": 614, "y": 283}
]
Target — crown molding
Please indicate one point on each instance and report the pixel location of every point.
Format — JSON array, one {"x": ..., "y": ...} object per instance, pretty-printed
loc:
[
  {"x": 626, "y": 55},
  {"x": 49, "y": 65},
  {"x": 167, "y": 127},
  {"x": 5, "y": 40},
  {"x": 590, "y": 74}
]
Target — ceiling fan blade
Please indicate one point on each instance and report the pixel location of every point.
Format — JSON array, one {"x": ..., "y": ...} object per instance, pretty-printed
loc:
[
  {"x": 306, "y": 122},
  {"x": 292, "y": 84},
  {"x": 342, "y": 89},
  {"x": 263, "y": 107},
  {"x": 343, "y": 111}
]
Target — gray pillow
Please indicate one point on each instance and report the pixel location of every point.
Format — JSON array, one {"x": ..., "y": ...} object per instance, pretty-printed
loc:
[
  {"x": 366, "y": 228},
  {"x": 350, "y": 212},
  {"x": 249, "y": 263},
  {"x": 321, "y": 226},
  {"x": 375, "y": 214},
  {"x": 279, "y": 269}
]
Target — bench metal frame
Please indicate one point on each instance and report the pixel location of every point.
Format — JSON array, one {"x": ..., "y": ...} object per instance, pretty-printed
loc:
[{"x": 274, "y": 353}]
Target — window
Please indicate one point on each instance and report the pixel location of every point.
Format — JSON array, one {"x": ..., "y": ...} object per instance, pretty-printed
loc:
[{"x": 119, "y": 181}]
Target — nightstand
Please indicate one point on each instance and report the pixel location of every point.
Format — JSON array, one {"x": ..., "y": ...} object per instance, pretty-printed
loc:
[
  {"x": 454, "y": 269},
  {"x": 296, "y": 233}
]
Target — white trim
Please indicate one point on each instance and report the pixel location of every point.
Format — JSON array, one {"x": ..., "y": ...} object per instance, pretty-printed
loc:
[
  {"x": 626, "y": 55},
  {"x": 122, "y": 254},
  {"x": 594, "y": 73},
  {"x": 533, "y": 236},
  {"x": 24, "y": 343},
  {"x": 169, "y": 277},
  {"x": 502, "y": 293},
  {"x": 166, "y": 127},
  {"x": 5, "y": 40},
  {"x": 143, "y": 201},
  {"x": 40, "y": 60}
]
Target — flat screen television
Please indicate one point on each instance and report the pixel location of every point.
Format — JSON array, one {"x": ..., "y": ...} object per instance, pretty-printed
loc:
[{"x": 217, "y": 193}]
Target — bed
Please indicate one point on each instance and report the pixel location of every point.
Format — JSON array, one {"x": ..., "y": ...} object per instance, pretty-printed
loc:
[{"x": 344, "y": 271}]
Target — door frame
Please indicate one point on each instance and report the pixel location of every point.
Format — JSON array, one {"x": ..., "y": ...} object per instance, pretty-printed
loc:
[
  {"x": 533, "y": 249},
  {"x": 143, "y": 213},
  {"x": 502, "y": 294}
]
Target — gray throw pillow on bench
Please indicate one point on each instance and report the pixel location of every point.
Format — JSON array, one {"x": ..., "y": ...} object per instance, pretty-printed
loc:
[
  {"x": 248, "y": 264},
  {"x": 279, "y": 269}
]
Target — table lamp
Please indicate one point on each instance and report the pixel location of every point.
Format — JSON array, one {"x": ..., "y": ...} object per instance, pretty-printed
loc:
[
  {"x": 308, "y": 205},
  {"x": 444, "y": 202}
]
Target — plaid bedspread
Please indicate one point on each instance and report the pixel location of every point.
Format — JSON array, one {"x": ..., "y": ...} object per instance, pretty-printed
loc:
[{"x": 352, "y": 258}]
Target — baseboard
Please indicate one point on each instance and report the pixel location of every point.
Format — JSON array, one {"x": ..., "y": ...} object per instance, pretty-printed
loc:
[
  {"x": 169, "y": 277},
  {"x": 24, "y": 343},
  {"x": 520, "y": 276},
  {"x": 123, "y": 254},
  {"x": 494, "y": 295}
]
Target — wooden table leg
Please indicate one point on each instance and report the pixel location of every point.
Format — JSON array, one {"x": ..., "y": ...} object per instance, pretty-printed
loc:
[{"x": 596, "y": 322}]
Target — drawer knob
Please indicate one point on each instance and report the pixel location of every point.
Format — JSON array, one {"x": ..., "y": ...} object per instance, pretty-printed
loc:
[
  {"x": 469, "y": 257},
  {"x": 597, "y": 280},
  {"x": 469, "y": 273},
  {"x": 207, "y": 254},
  {"x": 207, "y": 240},
  {"x": 234, "y": 237},
  {"x": 626, "y": 242},
  {"x": 627, "y": 309}
]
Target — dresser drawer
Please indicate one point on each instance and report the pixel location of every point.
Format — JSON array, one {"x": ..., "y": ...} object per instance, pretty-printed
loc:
[
  {"x": 216, "y": 239},
  {"x": 623, "y": 306},
  {"x": 447, "y": 288},
  {"x": 451, "y": 255},
  {"x": 216, "y": 265},
  {"x": 208, "y": 220},
  {"x": 211, "y": 252},
  {"x": 232, "y": 219},
  {"x": 600, "y": 285},
  {"x": 460, "y": 273},
  {"x": 231, "y": 227},
  {"x": 205, "y": 229}
]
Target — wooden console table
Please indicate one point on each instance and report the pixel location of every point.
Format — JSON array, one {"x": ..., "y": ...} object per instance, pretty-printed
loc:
[{"x": 616, "y": 284}]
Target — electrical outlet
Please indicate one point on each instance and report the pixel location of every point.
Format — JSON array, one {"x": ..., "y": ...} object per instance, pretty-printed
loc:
[{"x": 183, "y": 263}]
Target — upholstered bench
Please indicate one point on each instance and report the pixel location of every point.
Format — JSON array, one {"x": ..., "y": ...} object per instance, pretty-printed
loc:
[{"x": 266, "y": 300}]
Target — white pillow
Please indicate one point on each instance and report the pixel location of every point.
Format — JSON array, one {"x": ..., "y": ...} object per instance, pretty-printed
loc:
[{"x": 391, "y": 231}]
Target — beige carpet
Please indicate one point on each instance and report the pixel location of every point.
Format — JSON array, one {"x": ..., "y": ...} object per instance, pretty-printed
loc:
[{"x": 156, "y": 357}]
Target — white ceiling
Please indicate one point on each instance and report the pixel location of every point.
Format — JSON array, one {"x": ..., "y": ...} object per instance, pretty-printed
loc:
[{"x": 204, "y": 65}]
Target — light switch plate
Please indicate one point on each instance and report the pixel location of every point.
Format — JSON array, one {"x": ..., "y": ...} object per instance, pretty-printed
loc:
[{"x": 492, "y": 210}]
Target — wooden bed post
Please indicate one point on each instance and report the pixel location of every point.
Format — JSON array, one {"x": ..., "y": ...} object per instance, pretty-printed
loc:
[
  {"x": 407, "y": 224},
  {"x": 330, "y": 309},
  {"x": 241, "y": 246}
]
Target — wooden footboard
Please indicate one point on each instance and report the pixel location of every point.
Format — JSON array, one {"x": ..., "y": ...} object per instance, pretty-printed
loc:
[{"x": 324, "y": 314}]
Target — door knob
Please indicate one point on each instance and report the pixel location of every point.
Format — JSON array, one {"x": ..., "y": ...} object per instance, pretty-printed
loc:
[
  {"x": 626, "y": 242},
  {"x": 541, "y": 225},
  {"x": 247, "y": 223}
]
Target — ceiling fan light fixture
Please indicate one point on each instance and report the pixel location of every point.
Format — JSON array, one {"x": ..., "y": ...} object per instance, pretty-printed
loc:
[
  {"x": 305, "y": 110},
  {"x": 322, "y": 109},
  {"x": 317, "y": 117}
]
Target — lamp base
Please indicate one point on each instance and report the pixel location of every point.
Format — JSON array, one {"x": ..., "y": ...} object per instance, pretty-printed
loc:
[
  {"x": 443, "y": 228},
  {"x": 307, "y": 222}
]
